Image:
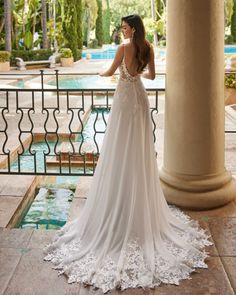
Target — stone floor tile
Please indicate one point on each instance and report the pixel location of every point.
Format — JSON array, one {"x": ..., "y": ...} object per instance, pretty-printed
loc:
[
  {"x": 210, "y": 281},
  {"x": 91, "y": 291},
  {"x": 223, "y": 232},
  {"x": 8, "y": 206},
  {"x": 40, "y": 238},
  {"x": 14, "y": 238},
  {"x": 9, "y": 258},
  {"x": 228, "y": 210},
  {"x": 230, "y": 267},
  {"x": 230, "y": 162},
  {"x": 34, "y": 276},
  {"x": 137, "y": 291},
  {"x": 20, "y": 187}
]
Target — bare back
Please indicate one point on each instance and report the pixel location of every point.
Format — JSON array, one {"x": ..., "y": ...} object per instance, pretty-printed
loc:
[
  {"x": 130, "y": 59},
  {"x": 126, "y": 54}
]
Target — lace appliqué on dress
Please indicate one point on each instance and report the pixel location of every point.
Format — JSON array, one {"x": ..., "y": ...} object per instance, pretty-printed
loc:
[
  {"x": 135, "y": 271},
  {"x": 125, "y": 75}
]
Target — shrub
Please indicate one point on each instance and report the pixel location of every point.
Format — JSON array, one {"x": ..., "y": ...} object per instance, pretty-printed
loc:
[
  {"x": 229, "y": 40},
  {"x": 4, "y": 56},
  {"x": 150, "y": 37},
  {"x": 66, "y": 52},
  {"x": 31, "y": 55},
  {"x": 79, "y": 53},
  {"x": 93, "y": 43},
  {"x": 70, "y": 26},
  {"x": 162, "y": 42},
  {"x": 230, "y": 80}
]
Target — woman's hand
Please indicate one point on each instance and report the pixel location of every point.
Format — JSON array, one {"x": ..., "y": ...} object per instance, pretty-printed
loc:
[{"x": 103, "y": 74}]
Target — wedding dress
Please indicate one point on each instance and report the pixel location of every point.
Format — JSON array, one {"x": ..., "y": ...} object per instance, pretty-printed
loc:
[{"x": 127, "y": 235}]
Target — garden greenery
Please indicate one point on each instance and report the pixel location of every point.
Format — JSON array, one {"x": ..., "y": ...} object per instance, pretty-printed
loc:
[
  {"x": 66, "y": 52},
  {"x": 4, "y": 56},
  {"x": 230, "y": 80},
  {"x": 31, "y": 55}
]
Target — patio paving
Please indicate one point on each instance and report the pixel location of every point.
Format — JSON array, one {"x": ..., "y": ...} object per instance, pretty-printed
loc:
[{"x": 26, "y": 273}]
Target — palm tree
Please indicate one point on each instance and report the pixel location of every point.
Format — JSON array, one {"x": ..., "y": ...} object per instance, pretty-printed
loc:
[
  {"x": 24, "y": 16},
  {"x": 44, "y": 23},
  {"x": 7, "y": 16}
]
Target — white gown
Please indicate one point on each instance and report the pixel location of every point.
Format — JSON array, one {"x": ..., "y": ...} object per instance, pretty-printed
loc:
[{"x": 127, "y": 235}]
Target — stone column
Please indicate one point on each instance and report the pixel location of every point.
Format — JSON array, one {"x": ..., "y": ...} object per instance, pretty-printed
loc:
[{"x": 193, "y": 173}]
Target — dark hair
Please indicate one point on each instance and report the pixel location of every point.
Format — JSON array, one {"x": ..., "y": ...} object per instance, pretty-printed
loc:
[{"x": 143, "y": 48}]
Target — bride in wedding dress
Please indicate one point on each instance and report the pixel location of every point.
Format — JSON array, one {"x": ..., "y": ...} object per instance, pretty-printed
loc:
[{"x": 126, "y": 235}]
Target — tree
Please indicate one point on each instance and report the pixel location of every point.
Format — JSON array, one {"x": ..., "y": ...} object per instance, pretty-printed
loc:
[
  {"x": 33, "y": 14},
  {"x": 44, "y": 23},
  {"x": 159, "y": 9},
  {"x": 2, "y": 20},
  {"x": 99, "y": 24},
  {"x": 120, "y": 8},
  {"x": 70, "y": 26},
  {"x": 233, "y": 23},
  {"x": 79, "y": 24},
  {"x": 106, "y": 22},
  {"x": 89, "y": 18},
  {"x": 8, "y": 26},
  {"x": 153, "y": 9}
]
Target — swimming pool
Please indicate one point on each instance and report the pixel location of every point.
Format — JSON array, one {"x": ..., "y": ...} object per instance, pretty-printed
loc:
[
  {"x": 109, "y": 53},
  {"x": 97, "y": 82},
  {"x": 51, "y": 205},
  {"x": 49, "y": 209},
  {"x": 231, "y": 49},
  {"x": 94, "y": 122}
]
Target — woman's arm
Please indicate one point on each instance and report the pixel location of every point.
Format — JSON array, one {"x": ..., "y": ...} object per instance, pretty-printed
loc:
[
  {"x": 116, "y": 62},
  {"x": 150, "y": 73}
]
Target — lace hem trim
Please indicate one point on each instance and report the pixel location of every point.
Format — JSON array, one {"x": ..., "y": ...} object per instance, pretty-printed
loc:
[{"x": 135, "y": 271}]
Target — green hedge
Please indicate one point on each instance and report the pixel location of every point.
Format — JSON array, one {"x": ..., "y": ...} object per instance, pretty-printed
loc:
[
  {"x": 4, "y": 56},
  {"x": 29, "y": 55},
  {"x": 230, "y": 80}
]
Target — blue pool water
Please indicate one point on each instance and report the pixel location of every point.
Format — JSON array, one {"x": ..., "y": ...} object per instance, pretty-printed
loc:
[
  {"x": 109, "y": 53},
  {"x": 40, "y": 148},
  {"x": 97, "y": 82},
  {"x": 50, "y": 207},
  {"x": 230, "y": 49}
]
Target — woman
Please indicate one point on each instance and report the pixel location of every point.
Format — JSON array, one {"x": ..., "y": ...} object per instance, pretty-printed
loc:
[{"x": 127, "y": 235}]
